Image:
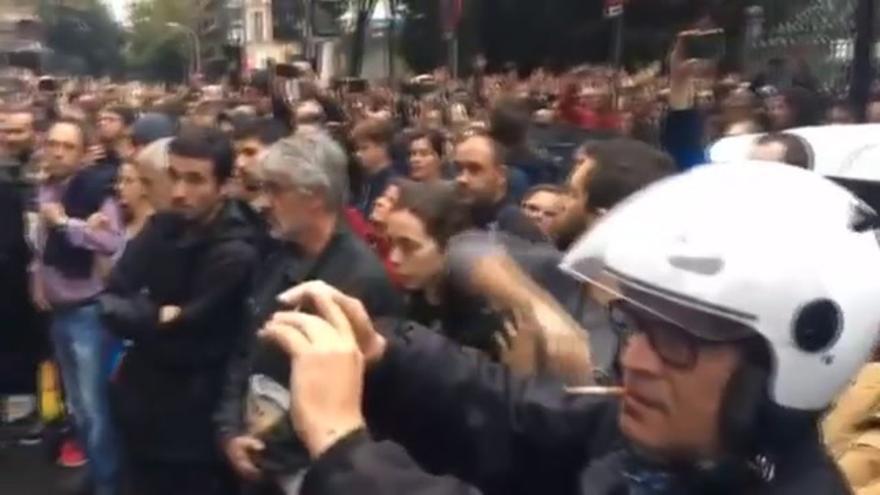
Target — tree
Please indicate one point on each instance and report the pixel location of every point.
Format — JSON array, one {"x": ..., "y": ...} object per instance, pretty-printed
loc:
[
  {"x": 422, "y": 36},
  {"x": 363, "y": 12},
  {"x": 157, "y": 51},
  {"x": 85, "y": 36},
  {"x": 557, "y": 33}
]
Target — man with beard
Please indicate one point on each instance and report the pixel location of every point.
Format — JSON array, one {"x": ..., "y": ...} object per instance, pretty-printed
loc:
[
  {"x": 482, "y": 181},
  {"x": 178, "y": 295},
  {"x": 606, "y": 173},
  {"x": 113, "y": 134},
  {"x": 18, "y": 138},
  {"x": 252, "y": 138},
  {"x": 306, "y": 188}
]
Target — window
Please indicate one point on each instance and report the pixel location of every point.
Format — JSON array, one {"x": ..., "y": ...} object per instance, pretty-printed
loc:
[{"x": 258, "y": 28}]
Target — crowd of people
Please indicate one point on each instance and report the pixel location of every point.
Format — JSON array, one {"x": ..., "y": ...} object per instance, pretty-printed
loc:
[{"x": 505, "y": 284}]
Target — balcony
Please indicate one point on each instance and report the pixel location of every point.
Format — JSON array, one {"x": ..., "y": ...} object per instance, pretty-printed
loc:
[{"x": 208, "y": 27}]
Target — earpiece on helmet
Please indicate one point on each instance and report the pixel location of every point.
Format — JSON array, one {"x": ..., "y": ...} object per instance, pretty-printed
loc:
[
  {"x": 817, "y": 325},
  {"x": 744, "y": 398}
]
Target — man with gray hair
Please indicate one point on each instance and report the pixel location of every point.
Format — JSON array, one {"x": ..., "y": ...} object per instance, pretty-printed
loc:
[{"x": 306, "y": 186}]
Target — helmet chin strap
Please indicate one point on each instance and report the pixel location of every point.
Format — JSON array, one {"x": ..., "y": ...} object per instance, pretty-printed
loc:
[
  {"x": 754, "y": 429},
  {"x": 744, "y": 400}
]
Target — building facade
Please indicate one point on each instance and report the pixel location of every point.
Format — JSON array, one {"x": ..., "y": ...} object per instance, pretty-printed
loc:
[
  {"x": 271, "y": 32},
  {"x": 21, "y": 34},
  {"x": 319, "y": 30},
  {"x": 212, "y": 28}
]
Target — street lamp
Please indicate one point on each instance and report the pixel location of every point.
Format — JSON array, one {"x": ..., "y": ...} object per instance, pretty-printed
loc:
[{"x": 197, "y": 47}]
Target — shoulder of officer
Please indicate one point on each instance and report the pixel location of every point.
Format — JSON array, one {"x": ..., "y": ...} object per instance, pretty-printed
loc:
[{"x": 855, "y": 411}]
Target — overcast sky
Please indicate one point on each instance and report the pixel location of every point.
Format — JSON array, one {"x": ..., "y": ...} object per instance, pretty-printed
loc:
[{"x": 119, "y": 8}]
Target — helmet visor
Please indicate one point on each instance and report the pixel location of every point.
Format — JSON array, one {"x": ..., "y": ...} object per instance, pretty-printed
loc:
[{"x": 707, "y": 322}]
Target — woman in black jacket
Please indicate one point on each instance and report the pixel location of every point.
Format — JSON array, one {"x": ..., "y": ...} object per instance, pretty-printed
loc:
[{"x": 419, "y": 228}]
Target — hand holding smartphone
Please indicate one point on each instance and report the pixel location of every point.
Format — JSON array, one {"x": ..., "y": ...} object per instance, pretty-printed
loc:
[{"x": 704, "y": 45}]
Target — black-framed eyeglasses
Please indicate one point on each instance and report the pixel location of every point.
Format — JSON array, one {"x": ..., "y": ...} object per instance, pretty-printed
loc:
[{"x": 675, "y": 346}]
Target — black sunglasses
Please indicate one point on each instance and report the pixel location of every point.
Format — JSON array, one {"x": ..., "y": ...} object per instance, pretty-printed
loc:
[{"x": 675, "y": 346}]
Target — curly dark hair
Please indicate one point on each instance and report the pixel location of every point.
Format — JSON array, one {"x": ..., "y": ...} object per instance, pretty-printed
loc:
[{"x": 436, "y": 204}]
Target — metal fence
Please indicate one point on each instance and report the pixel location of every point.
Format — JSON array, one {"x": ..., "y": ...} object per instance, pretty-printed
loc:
[{"x": 820, "y": 33}]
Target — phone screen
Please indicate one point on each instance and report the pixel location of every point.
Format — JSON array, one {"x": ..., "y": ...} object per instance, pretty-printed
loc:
[
  {"x": 708, "y": 45},
  {"x": 48, "y": 85},
  {"x": 288, "y": 71}
]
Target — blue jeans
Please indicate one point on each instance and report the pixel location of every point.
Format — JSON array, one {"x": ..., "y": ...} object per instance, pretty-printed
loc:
[{"x": 84, "y": 350}]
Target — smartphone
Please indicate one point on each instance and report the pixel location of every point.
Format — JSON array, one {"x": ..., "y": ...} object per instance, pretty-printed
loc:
[
  {"x": 287, "y": 71},
  {"x": 354, "y": 85},
  {"x": 267, "y": 407},
  {"x": 706, "y": 45},
  {"x": 47, "y": 85},
  {"x": 419, "y": 89}
]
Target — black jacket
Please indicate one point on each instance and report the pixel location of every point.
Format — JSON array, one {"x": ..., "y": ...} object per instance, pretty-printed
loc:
[
  {"x": 373, "y": 186},
  {"x": 478, "y": 430},
  {"x": 506, "y": 216},
  {"x": 14, "y": 252},
  {"x": 347, "y": 264},
  {"x": 20, "y": 337},
  {"x": 463, "y": 316},
  {"x": 169, "y": 381}
]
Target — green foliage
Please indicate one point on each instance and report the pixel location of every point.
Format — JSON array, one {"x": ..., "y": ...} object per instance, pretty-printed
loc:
[
  {"x": 422, "y": 37},
  {"x": 157, "y": 51},
  {"x": 84, "y": 35}
]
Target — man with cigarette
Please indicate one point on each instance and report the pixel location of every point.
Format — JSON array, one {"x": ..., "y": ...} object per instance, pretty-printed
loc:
[{"x": 731, "y": 349}]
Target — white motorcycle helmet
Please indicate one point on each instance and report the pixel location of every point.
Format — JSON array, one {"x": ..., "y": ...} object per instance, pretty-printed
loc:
[{"x": 750, "y": 249}]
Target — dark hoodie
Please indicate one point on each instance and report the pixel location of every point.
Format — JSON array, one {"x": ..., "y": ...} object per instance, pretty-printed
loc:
[
  {"x": 19, "y": 344},
  {"x": 169, "y": 381},
  {"x": 506, "y": 216}
]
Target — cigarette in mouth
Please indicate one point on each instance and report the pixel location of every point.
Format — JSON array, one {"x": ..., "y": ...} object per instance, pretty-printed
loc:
[{"x": 613, "y": 391}]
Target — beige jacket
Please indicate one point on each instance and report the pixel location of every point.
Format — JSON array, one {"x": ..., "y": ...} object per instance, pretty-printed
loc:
[{"x": 852, "y": 431}]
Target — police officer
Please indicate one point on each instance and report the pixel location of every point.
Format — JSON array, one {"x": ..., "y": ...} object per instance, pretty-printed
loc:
[
  {"x": 852, "y": 431},
  {"x": 741, "y": 315}
]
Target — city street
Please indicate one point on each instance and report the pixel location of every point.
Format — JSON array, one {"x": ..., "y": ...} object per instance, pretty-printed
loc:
[
  {"x": 27, "y": 471},
  {"x": 439, "y": 247}
]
